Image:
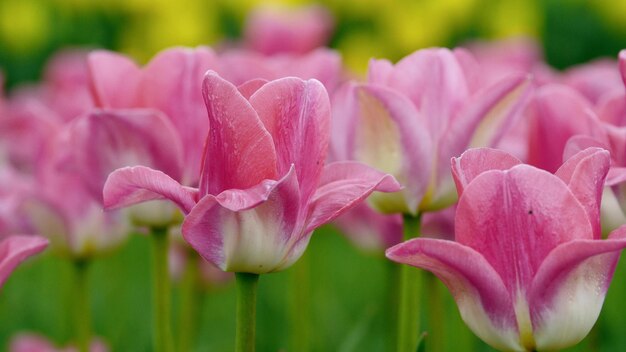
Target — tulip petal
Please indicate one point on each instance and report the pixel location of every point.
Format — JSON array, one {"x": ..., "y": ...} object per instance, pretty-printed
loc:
[
  {"x": 392, "y": 138},
  {"x": 172, "y": 83},
  {"x": 521, "y": 203},
  {"x": 114, "y": 79},
  {"x": 584, "y": 173},
  {"x": 250, "y": 231},
  {"x": 296, "y": 114},
  {"x": 239, "y": 152},
  {"x": 556, "y": 114},
  {"x": 104, "y": 140},
  {"x": 481, "y": 295},
  {"x": 344, "y": 185},
  {"x": 132, "y": 185},
  {"x": 567, "y": 293},
  {"x": 15, "y": 249},
  {"x": 250, "y": 87},
  {"x": 474, "y": 162}
]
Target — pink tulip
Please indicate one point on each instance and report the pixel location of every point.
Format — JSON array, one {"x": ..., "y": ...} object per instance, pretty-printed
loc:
[
  {"x": 528, "y": 268},
  {"x": 594, "y": 79},
  {"x": 412, "y": 117},
  {"x": 273, "y": 30},
  {"x": 263, "y": 187},
  {"x": 170, "y": 83},
  {"x": 27, "y": 342},
  {"x": 17, "y": 248},
  {"x": 370, "y": 230}
]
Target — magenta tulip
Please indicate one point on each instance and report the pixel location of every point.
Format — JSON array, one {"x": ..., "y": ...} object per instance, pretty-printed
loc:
[
  {"x": 528, "y": 268},
  {"x": 264, "y": 187}
]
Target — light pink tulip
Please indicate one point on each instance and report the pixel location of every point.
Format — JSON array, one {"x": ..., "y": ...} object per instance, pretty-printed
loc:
[
  {"x": 272, "y": 30},
  {"x": 264, "y": 187},
  {"x": 412, "y": 117},
  {"x": 528, "y": 268},
  {"x": 171, "y": 83},
  {"x": 594, "y": 79}
]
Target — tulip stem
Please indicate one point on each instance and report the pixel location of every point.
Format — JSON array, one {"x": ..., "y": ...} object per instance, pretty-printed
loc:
[
  {"x": 82, "y": 309},
  {"x": 410, "y": 283},
  {"x": 300, "y": 303},
  {"x": 436, "y": 312},
  {"x": 189, "y": 303},
  {"x": 162, "y": 333},
  {"x": 246, "y": 311}
]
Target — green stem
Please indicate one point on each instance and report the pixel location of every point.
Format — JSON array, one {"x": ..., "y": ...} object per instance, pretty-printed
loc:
[
  {"x": 410, "y": 283},
  {"x": 393, "y": 274},
  {"x": 300, "y": 313},
  {"x": 82, "y": 309},
  {"x": 436, "y": 312},
  {"x": 162, "y": 333},
  {"x": 246, "y": 311},
  {"x": 189, "y": 303}
]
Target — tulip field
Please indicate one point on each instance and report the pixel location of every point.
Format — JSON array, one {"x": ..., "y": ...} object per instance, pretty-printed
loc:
[{"x": 333, "y": 176}]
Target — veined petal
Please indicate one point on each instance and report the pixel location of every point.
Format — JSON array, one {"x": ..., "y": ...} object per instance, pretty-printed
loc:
[
  {"x": 481, "y": 295},
  {"x": 133, "y": 185},
  {"x": 584, "y": 173},
  {"x": 114, "y": 79},
  {"x": 255, "y": 230},
  {"x": 392, "y": 138},
  {"x": 172, "y": 83},
  {"x": 15, "y": 249},
  {"x": 239, "y": 152},
  {"x": 296, "y": 114},
  {"x": 474, "y": 162},
  {"x": 567, "y": 293},
  {"x": 343, "y": 186},
  {"x": 521, "y": 203}
]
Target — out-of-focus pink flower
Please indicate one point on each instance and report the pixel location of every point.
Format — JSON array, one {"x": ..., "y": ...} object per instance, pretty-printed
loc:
[
  {"x": 272, "y": 30},
  {"x": 528, "y": 270},
  {"x": 264, "y": 187},
  {"x": 179, "y": 255},
  {"x": 594, "y": 79},
  {"x": 171, "y": 83},
  {"x": 370, "y": 230},
  {"x": 27, "y": 342},
  {"x": 412, "y": 117},
  {"x": 17, "y": 248},
  {"x": 240, "y": 66}
]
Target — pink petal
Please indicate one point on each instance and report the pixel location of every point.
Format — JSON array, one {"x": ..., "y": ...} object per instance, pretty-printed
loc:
[
  {"x": 296, "y": 114},
  {"x": 172, "y": 82},
  {"x": 239, "y": 152},
  {"x": 622, "y": 64},
  {"x": 379, "y": 71},
  {"x": 556, "y": 113},
  {"x": 253, "y": 230},
  {"x": 434, "y": 81},
  {"x": 114, "y": 79},
  {"x": 392, "y": 137},
  {"x": 15, "y": 249},
  {"x": 102, "y": 141},
  {"x": 567, "y": 293},
  {"x": 132, "y": 185},
  {"x": 483, "y": 299},
  {"x": 578, "y": 143},
  {"x": 370, "y": 230},
  {"x": 509, "y": 217},
  {"x": 585, "y": 173},
  {"x": 474, "y": 162},
  {"x": 343, "y": 186},
  {"x": 250, "y": 87}
]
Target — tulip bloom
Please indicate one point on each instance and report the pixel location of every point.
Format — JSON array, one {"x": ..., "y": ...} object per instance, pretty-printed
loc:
[
  {"x": 528, "y": 270},
  {"x": 264, "y": 187},
  {"x": 412, "y": 117}
]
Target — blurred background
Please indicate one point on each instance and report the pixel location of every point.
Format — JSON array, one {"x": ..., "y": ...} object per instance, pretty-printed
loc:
[
  {"x": 570, "y": 31},
  {"x": 347, "y": 287}
]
